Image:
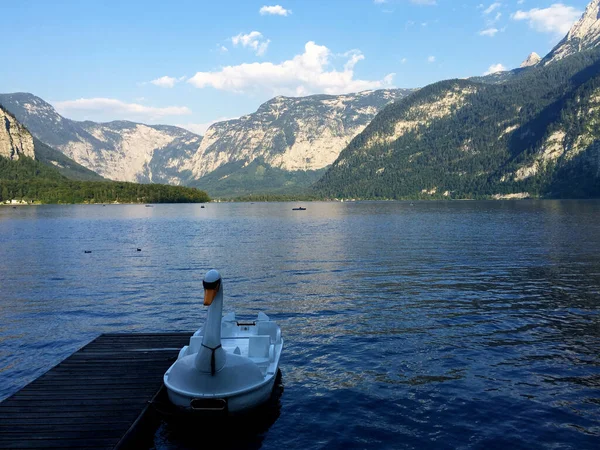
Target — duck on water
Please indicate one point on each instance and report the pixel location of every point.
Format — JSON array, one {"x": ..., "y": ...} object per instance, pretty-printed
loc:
[{"x": 228, "y": 365}]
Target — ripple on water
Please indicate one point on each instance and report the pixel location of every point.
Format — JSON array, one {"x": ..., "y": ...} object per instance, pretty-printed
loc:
[{"x": 458, "y": 325}]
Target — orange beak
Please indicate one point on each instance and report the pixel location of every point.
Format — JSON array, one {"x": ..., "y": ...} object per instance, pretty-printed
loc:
[{"x": 209, "y": 296}]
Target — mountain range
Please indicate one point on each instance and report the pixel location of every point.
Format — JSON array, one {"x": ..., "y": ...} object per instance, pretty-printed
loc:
[
  {"x": 532, "y": 131},
  {"x": 119, "y": 150},
  {"x": 294, "y": 136},
  {"x": 30, "y": 171}
]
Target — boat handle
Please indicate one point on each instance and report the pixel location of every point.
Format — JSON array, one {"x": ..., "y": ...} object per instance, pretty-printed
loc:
[{"x": 204, "y": 404}]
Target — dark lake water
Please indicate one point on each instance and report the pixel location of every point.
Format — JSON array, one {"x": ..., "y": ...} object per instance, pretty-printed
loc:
[{"x": 446, "y": 325}]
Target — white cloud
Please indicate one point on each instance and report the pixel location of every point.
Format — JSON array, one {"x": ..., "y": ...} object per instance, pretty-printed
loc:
[
  {"x": 379, "y": 2},
  {"x": 492, "y": 7},
  {"x": 254, "y": 40},
  {"x": 308, "y": 73},
  {"x": 495, "y": 68},
  {"x": 200, "y": 128},
  {"x": 557, "y": 18},
  {"x": 403, "y": 60},
  {"x": 491, "y": 32},
  {"x": 275, "y": 10},
  {"x": 431, "y": 59},
  {"x": 166, "y": 81},
  {"x": 424, "y": 2},
  {"x": 111, "y": 106}
]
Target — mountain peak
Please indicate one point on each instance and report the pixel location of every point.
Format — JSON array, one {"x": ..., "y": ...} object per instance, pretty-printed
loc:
[
  {"x": 26, "y": 98},
  {"x": 531, "y": 60},
  {"x": 587, "y": 29},
  {"x": 24, "y": 104},
  {"x": 583, "y": 35}
]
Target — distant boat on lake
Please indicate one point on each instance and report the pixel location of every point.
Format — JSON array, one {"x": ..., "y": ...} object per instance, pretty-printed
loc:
[{"x": 300, "y": 208}]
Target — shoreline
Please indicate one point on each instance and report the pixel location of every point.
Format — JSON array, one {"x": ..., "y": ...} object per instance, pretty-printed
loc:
[{"x": 445, "y": 200}]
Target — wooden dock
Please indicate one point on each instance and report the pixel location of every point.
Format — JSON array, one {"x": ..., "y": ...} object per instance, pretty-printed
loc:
[{"x": 98, "y": 398}]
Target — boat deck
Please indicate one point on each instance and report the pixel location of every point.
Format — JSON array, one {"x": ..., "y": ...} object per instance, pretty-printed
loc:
[
  {"x": 97, "y": 398},
  {"x": 259, "y": 340}
]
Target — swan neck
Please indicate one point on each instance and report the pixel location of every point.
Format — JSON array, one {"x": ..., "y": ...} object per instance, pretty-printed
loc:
[{"x": 212, "y": 327}]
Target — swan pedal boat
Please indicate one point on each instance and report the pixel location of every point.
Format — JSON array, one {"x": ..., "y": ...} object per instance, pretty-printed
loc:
[{"x": 229, "y": 365}]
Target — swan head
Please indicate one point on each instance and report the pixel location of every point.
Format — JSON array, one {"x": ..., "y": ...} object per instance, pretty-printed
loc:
[{"x": 212, "y": 286}]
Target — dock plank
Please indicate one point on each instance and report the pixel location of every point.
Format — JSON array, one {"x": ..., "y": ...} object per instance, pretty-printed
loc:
[{"x": 95, "y": 398}]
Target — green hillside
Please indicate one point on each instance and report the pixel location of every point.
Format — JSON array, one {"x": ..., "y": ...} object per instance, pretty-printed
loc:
[
  {"x": 239, "y": 179},
  {"x": 32, "y": 181},
  {"x": 536, "y": 133}
]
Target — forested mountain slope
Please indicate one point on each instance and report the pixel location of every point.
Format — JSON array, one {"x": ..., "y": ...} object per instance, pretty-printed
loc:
[
  {"x": 529, "y": 136},
  {"x": 27, "y": 180}
]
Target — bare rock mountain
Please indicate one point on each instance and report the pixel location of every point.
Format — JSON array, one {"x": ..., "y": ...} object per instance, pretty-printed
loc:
[
  {"x": 583, "y": 35},
  {"x": 292, "y": 133},
  {"x": 120, "y": 150}
]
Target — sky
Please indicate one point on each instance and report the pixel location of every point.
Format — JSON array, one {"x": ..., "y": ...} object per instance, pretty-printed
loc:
[{"x": 191, "y": 63}]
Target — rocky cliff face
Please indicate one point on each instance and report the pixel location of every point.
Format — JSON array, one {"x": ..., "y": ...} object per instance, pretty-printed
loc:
[
  {"x": 15, "y": 140},
  {"x": 123, "y": 151},
  {"x": 128, "y": 151},
  {"x": 292, "y": 134},
  {"x": 584, "y": 35},
  {"x": 289, "y": 134}
]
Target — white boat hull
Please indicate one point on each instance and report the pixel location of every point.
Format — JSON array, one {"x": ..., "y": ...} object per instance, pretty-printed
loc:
[
  {"x": 247, "y": 380},
  {"x": 233, "y": 403}
]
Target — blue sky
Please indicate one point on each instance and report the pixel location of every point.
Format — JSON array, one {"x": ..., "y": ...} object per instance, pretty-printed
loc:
[{"x": 190, "y": 63}]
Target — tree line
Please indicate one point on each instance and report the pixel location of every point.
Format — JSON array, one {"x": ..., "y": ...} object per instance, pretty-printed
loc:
[{"x": 28, "y": 180}]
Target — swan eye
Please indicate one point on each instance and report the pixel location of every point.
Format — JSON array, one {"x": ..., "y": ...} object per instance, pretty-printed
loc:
[{"x": 212, "y": 285}]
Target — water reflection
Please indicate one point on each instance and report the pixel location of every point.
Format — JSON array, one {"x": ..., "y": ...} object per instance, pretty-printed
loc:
[{"x": 438, "y": 325}]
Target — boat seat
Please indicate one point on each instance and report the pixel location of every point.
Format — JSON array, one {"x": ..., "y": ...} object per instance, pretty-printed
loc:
[
  {"x": 258, "y": 347},
  {"x": 270, "y": 329},
  {"x": 228, "y": 329},
  {"x": 229, "y": 317},
  {"x": 195, "y": 344}
]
